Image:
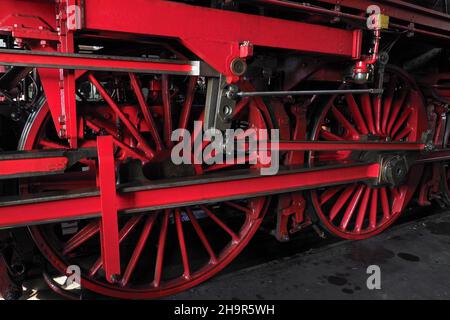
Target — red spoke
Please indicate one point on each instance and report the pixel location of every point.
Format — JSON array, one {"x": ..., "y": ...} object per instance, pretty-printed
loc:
[
  {"x": 345, "y": 123},
  {"x": 387, "y": 104},
  {"x": 395, "y": 193},
  {"x": 161, "y": 249},
  {"x": 352, "y": 207},
  {"x": 403, "y": 134},
  {"x": 138, "y": 250},
  {"x": 167, "y": 110},
  {"x": 377, "y": 110},
  {"x": 186, "y": 111},
  {"x": 401, "y": 121},
  {"x": 385, "y": 204},
  {"x": 123, "y": 234},
  {"x": 341, "y": 201},
  {"x": 239, "y": 207},
  {"x": 362, "y": 210},
  {"x": 182, "y": 241},
  {"x": 94, "y": 126},
  {"x": 330, "y": 193},
  {"x": 367, "y": 110},
  {"x": 374, "y": 209},
  {"x": 201, "y": 235},
  {"x": 325, "y": 156},
  {"x": 52, "y": 145},
  {"x": 220, "y": 223},
  {"x": 81, "y": 237},
  {"x": 327, "y": 135},
  {"x": 142, "y": 143},
  {"x": 146, "y": 111},
  {"x": 130, "y": 150},
  {"x": 396, "y": 110},
  {"x": 238, "y": 160},
  {"x": 98, "y": 125},
  {"x": 353, "y": 107}
]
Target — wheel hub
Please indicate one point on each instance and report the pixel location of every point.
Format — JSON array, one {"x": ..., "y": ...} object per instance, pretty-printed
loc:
[{"x": 394, "y": 170}]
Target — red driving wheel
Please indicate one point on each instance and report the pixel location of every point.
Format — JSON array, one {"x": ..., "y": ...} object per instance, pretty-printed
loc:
[
  {"x": 359, "y": 210},
  {"x": 162, "y": 252}
]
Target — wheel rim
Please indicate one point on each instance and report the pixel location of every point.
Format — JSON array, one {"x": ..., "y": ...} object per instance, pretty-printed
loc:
[
  {"x": 181, "y": 246},
  {"x": 444, "y": 170},
  {"x": 357, "y": 210}
]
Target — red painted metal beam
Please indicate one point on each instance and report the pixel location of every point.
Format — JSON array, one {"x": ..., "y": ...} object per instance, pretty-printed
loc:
[
  {"x": 28, "y": 15},
  {"x": 96, "y": 63},
  {"x": 185, "y": 22},
  {"x": 214, "y": 35},
  {"x": 174, "y": 195},
  {"x": 22, "y": 164},
  {"x": 336, "y": 146},
  {"x": 32, "y": 167},
  {"x": 109, "y": 231},
  {"x": 25, "y": 164}
]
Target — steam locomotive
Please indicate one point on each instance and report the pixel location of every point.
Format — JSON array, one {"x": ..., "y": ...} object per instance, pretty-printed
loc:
[{"x": 350, "y": 100}]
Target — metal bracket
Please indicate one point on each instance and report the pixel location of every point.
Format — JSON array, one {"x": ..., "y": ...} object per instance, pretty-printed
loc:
[
  {"x": 383, "y": 60},
  {"x": 219, "y": 104}
]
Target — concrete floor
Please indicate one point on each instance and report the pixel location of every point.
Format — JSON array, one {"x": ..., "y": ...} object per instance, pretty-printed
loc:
[{"x": 414, "y": 258}]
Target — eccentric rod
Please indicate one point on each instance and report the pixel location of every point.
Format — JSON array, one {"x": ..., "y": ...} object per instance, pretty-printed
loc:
[{"x": 243, "y": 94}]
